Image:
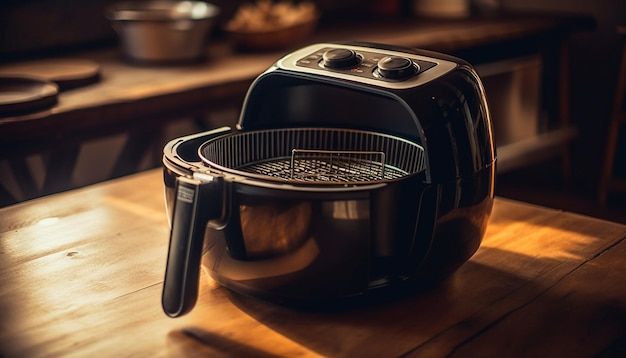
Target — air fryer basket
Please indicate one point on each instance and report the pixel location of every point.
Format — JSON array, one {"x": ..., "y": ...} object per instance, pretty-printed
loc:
[{"x": 315, "y": 155}]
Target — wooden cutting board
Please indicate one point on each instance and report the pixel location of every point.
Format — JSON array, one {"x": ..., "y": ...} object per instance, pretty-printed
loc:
[{"x": 66, "y": 73}]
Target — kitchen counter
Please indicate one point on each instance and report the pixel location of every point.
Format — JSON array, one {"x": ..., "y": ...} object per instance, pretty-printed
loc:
[
  {"x": 136, "y": 93},
  {"x": 141, "y": 99},
  {"x": 82, "y": 273}
]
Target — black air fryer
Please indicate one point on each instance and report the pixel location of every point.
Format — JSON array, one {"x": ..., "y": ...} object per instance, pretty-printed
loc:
[{"x": 354, "y": 169}]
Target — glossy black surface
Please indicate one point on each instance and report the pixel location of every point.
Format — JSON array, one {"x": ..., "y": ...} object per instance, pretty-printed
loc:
[{"x": 194, "y": 206}]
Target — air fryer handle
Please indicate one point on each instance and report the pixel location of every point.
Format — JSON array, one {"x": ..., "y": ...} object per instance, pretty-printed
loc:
[{"x": 197, "y": 201}]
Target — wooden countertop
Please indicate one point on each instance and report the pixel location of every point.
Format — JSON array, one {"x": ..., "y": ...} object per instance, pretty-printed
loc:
[
  {"x": 133, "y": 95},
  {"x": 81, "y": 275},
  {"x": 140, "y": 101}
]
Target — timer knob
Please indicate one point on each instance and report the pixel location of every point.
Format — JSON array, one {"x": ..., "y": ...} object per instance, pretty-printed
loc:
[
  {"x": 397, "y": 67},
  {"x": 340, "y": 58}
]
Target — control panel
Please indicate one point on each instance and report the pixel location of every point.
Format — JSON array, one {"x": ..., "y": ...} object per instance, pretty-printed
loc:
[
  {"x": 365, "y": 64},
  {"x": 379, "y": 67}
]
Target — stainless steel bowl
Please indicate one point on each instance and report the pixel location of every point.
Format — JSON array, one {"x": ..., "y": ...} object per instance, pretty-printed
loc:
[{"x": 163, "y": 31}]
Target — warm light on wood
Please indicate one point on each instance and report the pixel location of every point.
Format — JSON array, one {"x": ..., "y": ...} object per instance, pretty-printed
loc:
[{"x": 81, "y": 275}]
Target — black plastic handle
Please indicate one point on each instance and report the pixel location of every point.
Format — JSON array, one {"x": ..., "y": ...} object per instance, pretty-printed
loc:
[{"x": 197, "y": 201}]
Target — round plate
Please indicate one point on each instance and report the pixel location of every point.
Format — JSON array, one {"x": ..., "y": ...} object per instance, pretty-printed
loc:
[
  {"x": 66, "y": 73},
  {"x": 20, "y": 94}
]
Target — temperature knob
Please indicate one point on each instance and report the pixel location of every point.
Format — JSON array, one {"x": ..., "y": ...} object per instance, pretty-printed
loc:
[
  {"x": 397, "y": 67},
  {"x": 340, "y": 58}
]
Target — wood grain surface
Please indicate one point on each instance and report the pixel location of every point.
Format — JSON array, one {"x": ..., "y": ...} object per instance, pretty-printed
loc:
[{"x": 82, "y": 272}]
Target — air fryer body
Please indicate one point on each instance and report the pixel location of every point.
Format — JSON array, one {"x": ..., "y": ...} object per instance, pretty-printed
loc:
[{"x": 416, "y": 230}]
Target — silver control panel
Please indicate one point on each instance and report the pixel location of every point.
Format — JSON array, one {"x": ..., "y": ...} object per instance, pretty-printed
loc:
[{"x": 380, "y": 67}]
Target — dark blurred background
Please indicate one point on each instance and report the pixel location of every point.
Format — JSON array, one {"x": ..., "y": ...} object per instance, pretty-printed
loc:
[{"x": 35, "y": 28}]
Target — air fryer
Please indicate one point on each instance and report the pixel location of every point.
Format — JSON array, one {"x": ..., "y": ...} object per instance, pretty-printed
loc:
[{"x": 354, "y": 168}]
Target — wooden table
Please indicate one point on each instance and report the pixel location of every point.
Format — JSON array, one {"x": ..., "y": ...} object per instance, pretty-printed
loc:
[
  {"x": 82, "y": 271},
  {"x": 140, "y": 100}
]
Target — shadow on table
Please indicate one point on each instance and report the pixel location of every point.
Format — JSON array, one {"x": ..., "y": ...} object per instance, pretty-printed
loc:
[
  {"x": 195, "y": 342},
  {"x": 480, "y": 310}
]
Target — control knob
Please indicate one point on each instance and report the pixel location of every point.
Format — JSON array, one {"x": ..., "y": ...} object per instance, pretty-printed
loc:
[
  {"x": 340, "y": 58},
  {"x": 397, "y": 67}
]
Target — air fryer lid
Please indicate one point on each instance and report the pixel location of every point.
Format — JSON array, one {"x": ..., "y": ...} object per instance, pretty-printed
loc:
[
  {"x": 314, "y": 155},
  {"x": 304, "y": 89},
  {"x": 442, "y": 106}
]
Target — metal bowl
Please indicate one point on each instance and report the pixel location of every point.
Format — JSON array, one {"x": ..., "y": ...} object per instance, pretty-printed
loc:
[{"x": 163, "y": 31}]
